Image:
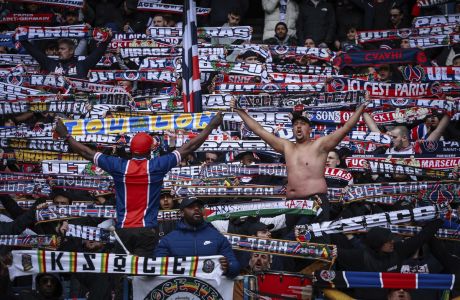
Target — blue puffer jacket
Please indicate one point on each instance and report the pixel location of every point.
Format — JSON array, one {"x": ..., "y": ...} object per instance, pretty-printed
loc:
[{"x": 203, "y": 240}]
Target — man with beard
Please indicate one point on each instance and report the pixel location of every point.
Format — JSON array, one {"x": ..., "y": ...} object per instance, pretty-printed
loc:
[
  {"x": 306, "y": 158},
  {"x": 281, "y": 37},
  {"x": 194, "y": 236}
]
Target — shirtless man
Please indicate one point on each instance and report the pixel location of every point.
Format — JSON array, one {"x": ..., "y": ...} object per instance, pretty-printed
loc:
[{"x": 305, "y": 159}]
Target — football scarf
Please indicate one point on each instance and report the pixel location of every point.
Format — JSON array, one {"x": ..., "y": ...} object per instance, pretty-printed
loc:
[
  {"x": 231, "y": 191},
  {"x": 28, "y": 262},
  {"x": 439, "y": 147},
  {"x": 154, "y": 5},
  {"x": 6, "y": 41},
  {"x": 27, "y": 60},
  {"x": 210, "y": 53},
  {"x": 384, "y": 89},
  {"x": 346, "y": 279},
  {"x": 379, "y": 57},
  {"x": 232, "y": 145},
  {"x": 15, "y": 92},
  {"x": 115, "y": 44},
  {"x": 416, "y": 73},
  {"x": 65, "y": 3},
  {"x": 261, "y": 208},
  {"x": 37, "y": 80},
  {"x": 296, "y": 69},
  {"x": 438, "y": 163},
  {"x": 31, "y": 33},
  {"x": 425, "y": 213},
  {"x": 39, "y": 130},
  {"x": 430, "y": 3},
  {"x": 26, "y": 18},
  {"x": 407, "y": 230},
  {"x": 25, "y": 188},
  {"x": 451, "y": 19},
  {"x": 266, "y": 102},
  {"x": 132, "y": 75},
  {"x": 34, "y": 156},
  {"x": 296, "y": 78},
  {"x": 32, "y": 241},
  {"x": 90, "y": 233},
  {"x": 82, "y": 85},
  {"x": 34, "y": 144},
  {"x": 71, "y": 107},
  {"x": 268, "y": 88},
  {"x": 322, "y": 252},
  {"x": 436, "y": 104},
  {"x": 299, "y": 52},
  {"x": 426, "y": 42},
  {"x": 388, "y": 168},
  {"x": 137, "y": 124},
  {"x": 54, "y": 212},
  {"x": 428, "y": 191},
  {"x": 403, "y": 33},
  {"x": 239, "y": 32}
]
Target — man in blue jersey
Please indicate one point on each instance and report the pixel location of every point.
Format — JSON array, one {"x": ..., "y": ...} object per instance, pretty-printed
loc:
[{"x": 138, "y": 183}]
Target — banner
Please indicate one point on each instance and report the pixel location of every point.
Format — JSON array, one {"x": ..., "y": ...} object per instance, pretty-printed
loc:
[
  {"x": 184, "y": 287},
  {"x": 137, "y": 124},
  {"x": 425, "y": 213},
  {"x": 170, "y": 51},
  {"x": 155, "y": 5},
  {"x": 385, "y": 89},
  {"x": 26, "y": 18},
  {"x": 282, "y": 247},
  {"x": 66, "y": 3},
  {"x": 451, "y": 19},
  {"x": 261, "y": 208},
  {"x": 379, "y": 57},
  {"x": 30, "y": 262}
]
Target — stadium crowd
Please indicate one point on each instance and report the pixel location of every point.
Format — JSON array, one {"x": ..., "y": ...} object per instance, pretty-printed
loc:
[{"x": 336, "y": 134}]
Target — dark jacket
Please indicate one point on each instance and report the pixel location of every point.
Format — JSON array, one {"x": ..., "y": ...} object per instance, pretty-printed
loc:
[
  {"x": 288, "y": 41},
  {"x": 19, "y": 224},
  {"x": 317, "y": 22},
  {"x": 203, "y": 240},
  {"x": 368, "y": 259},
  {"x": 71, "y": 67}
]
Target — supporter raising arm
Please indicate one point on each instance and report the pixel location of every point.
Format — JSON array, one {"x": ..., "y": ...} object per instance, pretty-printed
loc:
[{"x": 305, "y": 159}]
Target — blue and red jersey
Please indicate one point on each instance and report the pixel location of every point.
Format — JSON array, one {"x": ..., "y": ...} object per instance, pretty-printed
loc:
[{"x": 138, "y": 185}]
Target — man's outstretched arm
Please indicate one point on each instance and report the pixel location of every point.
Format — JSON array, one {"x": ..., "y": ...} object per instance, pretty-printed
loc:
[
  {"x": 328, "y": 142},
  {"x": 197, "y": 141},
  {"x": 278, "y": 144},
  {"x": 76, "y": 147}
]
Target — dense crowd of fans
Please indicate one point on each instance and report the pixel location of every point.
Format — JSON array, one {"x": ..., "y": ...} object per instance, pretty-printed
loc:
[{"x": 331, "y": 25}]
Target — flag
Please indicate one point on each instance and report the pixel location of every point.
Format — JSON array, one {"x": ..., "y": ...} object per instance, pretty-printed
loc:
[{"x": 191, "y": 89}]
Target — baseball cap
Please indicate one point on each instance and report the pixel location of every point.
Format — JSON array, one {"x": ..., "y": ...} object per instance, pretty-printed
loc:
[
  {"x": 141, "y": 143},
  {"x": 189, "y": 201}
]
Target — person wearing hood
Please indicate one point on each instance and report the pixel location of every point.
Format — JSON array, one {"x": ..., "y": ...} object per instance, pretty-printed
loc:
[
  {"x": 381, "y": 253},
  {"x": 48, "y": 287},
  {"x": 194, "y": 236},
  {"x": 281, "y": 37}
]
